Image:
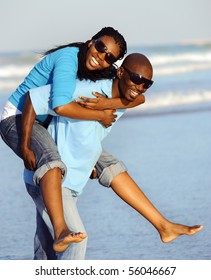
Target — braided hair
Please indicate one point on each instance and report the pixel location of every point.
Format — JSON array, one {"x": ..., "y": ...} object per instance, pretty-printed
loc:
[{"x": 83, "y": 72}]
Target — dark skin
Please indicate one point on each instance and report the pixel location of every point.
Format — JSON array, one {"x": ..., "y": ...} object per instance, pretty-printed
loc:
[
  {"x": 123, "y": 185},
  {"x": 50, "y": 183},
  {"x": 72, "y": 110}
]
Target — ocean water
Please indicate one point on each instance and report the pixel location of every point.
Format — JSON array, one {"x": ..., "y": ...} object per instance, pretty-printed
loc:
[{"x": 166, "y": 145}]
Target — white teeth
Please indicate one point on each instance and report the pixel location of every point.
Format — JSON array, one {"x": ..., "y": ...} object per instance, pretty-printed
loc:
[
  {"x": 134, "y": 94},
  {"x": 94, "y": 60}
]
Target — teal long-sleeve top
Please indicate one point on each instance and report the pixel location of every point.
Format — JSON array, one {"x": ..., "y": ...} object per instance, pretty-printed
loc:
[{"x": 59, "y": 69}]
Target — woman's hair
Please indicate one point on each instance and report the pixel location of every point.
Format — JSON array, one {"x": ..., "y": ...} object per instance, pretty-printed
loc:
[{"x": 83, "y": 72}]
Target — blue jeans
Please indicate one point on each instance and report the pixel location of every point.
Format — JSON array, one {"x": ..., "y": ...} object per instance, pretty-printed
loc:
[
  {"x": 43, "y": 241},
  {"x": 107, "y": 168},
  {"x": 42, "y": 144},
  {"x": 47, "y": 157}
]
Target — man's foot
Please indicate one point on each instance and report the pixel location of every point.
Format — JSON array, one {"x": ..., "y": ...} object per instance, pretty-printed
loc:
[
  {"x": 175, "y": 230},
  {"x": 63, "y": 242}
]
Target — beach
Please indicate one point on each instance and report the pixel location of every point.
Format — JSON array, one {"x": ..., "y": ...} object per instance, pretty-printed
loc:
[
  {"x": 166, "y": 146},
  {"x": 168, "y": 156}
]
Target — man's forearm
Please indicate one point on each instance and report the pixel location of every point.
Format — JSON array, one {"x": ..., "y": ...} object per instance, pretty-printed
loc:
[{"x": 121, "y": 103}]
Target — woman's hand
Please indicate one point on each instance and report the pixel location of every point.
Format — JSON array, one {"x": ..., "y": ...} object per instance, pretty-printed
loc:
[
  {"x": 29, "y": 158},
  {"x": 98, "y": 103}
]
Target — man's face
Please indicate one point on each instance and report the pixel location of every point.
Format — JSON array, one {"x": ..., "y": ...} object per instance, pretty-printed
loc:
[{"x": 134, "y": 81}]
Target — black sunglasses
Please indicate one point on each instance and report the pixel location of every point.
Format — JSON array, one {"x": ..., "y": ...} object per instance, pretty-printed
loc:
[
  {"x": 138, "y": 79},
  {"x": 101, "y": 47}
]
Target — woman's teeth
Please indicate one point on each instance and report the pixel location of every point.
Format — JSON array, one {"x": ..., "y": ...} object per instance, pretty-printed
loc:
[{"x": 95, "y": 61}]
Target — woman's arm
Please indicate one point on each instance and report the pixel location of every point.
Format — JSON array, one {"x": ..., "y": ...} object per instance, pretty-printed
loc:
[
  {"x": 28, "y": 118},
  {"x": 71, "y": 110},
  {"x": 102, "y": 103},
  {"x": 75, "y": 111}
]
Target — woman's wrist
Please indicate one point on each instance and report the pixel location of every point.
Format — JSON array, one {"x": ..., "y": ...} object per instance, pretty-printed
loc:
[{"x": 101, "y": 116}]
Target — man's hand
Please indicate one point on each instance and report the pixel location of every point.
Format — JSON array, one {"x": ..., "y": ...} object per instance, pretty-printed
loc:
[
  {"x": 109, "y": 118},
  {"x": 29, "y": 158},
  {"x": 98, "y": 103}
]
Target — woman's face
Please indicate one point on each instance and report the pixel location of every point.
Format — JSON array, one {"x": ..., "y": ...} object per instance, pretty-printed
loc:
[{"x": 102, "y": 53}]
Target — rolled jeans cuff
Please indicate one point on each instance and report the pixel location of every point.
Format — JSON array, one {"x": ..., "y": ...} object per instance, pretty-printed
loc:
[
  {"x": 41, "y": 171},
  {"x": 110, "y": 172}
]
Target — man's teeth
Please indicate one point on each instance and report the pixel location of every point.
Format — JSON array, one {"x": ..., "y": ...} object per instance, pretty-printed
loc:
[
  {"x": 94, "y": 60},
  {"x": 133, "y": 93}
]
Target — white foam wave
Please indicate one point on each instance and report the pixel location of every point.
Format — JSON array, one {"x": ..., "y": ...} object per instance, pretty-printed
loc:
[
  {"x": 167, "y": 99},
  {"x": 171, "y": 70},
  {"x": 198, "y": 57},
  {"x": 14, "y": 71}
]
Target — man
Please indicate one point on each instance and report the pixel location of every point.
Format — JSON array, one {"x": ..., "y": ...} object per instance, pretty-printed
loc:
[{"x": 79, "y": 144}]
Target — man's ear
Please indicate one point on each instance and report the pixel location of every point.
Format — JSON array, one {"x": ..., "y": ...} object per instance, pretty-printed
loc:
[
  {"x": 120, "y": 72},
  {"x": 90, "y": 43}
]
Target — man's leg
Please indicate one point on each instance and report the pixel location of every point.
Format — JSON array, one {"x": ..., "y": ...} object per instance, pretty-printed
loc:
[
  {"x": 75, "y": 251},
  {"x": 43, "y": 241}
]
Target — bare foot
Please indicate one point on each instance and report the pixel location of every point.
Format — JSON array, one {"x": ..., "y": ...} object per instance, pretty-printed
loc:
[
  {"x": 175, "y": 230},
  {"x": 63, "y": 242}
]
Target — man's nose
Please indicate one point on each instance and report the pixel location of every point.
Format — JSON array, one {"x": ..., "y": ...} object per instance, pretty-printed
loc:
[{"x": 140, "y": 88}]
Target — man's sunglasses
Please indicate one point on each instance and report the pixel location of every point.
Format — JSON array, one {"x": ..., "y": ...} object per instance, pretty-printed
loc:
[
  {"x": 101, "y": 47},
  {"x": 137, "y": 79}
]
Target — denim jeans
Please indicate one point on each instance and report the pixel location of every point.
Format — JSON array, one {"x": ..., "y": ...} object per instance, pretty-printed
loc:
[
  {"x": 47, "y": 157},
  {"x": 42, "y": 144},
  {"x": 43, "y": 241},
  {"x": 108, "y": 167}
]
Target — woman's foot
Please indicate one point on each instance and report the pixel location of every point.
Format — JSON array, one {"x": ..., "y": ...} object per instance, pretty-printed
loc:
[
  {"x": 175, "y": 230},
  {"x": 94, "y": 174},
  {"x": 65, "y": 239}
]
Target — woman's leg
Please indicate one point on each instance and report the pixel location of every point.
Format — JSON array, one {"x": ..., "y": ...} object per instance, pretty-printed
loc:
[
  {"x": 75, "y": 251},
  {"x": 113, "y": 173},
  {"x": 49, "y": 173},
  {"x": 124, "y": 186}
]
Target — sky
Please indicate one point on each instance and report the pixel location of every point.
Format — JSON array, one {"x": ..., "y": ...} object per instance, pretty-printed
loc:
[{"x": 42, "y": 24}]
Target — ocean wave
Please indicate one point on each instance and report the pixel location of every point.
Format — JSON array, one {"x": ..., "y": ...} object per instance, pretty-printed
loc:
[
  {"x": 188, "y": 57},
  {"x": 177, "y": 69},
  {"x": 9, "y": 71},
  {"x": 164, "y": 67},
  {"x": 173, "y": 98}
]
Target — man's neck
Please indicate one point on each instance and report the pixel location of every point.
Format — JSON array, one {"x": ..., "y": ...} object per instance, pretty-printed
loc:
[{"x": 115, "y": 89}]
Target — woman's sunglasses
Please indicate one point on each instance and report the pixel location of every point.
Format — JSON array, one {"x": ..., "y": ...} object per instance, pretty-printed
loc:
[
  {"x": 100, "y": 47},
  {"x": 137, "y": 79}
]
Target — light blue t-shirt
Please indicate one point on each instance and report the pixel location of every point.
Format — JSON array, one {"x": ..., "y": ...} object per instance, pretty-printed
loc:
[
  {"x": 59, "y": 69},
  {"x": 78, "y": 141}
]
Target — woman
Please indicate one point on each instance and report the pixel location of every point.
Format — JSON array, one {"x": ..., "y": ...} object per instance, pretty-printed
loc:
[
  {"x": 61, "y": 66},
  {"x": 79, "y": 144}
]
